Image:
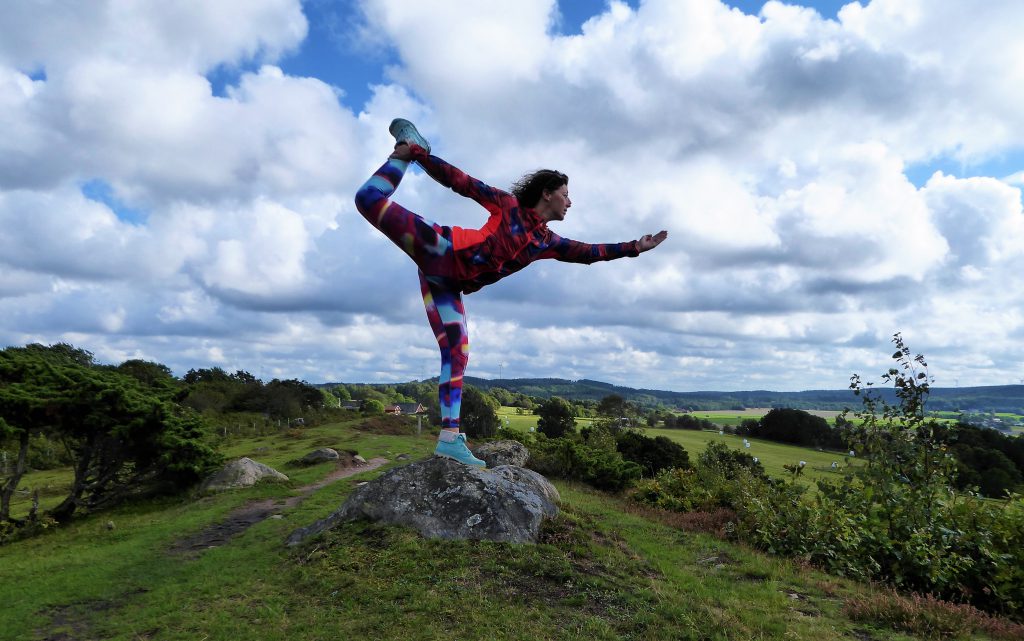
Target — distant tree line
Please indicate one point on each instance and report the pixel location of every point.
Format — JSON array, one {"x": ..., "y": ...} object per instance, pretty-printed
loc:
[
  {"x": 1003, "y": 398},
  {"x": 215, "y": 391}
]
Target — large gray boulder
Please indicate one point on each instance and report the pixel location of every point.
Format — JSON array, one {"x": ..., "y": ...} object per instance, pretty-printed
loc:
[
  {"x": 442, "y": 498},
  {"x": 319, "y": 456},
  {"x": 497, "y": 453},
  {"x": 241, "y": 473}
]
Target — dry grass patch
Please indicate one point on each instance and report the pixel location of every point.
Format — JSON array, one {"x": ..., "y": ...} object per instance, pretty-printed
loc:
[{"x": 928, "y": 617}]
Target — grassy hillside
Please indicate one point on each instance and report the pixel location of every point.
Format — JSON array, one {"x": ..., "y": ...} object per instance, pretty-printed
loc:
[{"x": 605, "y": 569}]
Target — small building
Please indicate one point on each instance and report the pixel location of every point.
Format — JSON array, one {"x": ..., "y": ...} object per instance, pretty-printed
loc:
[{"x": 411, "y": 408}]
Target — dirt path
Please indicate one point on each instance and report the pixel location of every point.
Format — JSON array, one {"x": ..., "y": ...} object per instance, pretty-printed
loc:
[{"x": 252, "y": 513}]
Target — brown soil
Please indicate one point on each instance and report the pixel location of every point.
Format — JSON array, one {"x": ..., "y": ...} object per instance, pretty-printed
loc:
[{"x": 252, "y": 513}]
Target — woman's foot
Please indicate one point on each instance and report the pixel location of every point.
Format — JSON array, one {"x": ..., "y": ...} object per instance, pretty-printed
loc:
[
  {"x": 405, "y": 131},
  {"x": 455, "y": 447}
]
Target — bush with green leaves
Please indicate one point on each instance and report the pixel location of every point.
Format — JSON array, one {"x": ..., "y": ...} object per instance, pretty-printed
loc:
[
  {"x": 722, "y": 477},
  {"x": 653, "y": 454},
  {"x": 897, "y": 518},
  {"x": 373, "y": 407},
  {"x": 557, "y": 417},
  {"x": 570, "y": 458},
  {"x": 479, "y": 413},
  {"x": 730, "y": 461}
]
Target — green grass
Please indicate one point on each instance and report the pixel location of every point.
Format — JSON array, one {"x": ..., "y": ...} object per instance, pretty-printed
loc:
[
  {"x": 605, "y": 569},
  {"x": 511, "y": 419},
  {"x": 770, "y": 454}
]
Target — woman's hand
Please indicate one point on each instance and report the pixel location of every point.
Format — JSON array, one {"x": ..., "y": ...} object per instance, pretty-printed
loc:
[
  {"x": 649, "y": 242},
  {"x": 402, "y": 152}
]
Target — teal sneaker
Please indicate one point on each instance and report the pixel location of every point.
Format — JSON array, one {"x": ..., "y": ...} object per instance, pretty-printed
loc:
[
  {"x": 405, "y": 131},
  {"x": 459, "y": 451}
]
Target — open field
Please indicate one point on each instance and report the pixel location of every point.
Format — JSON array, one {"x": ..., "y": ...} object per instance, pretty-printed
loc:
[
  {"x": 510, "y": 418},
  {"x": 604, "y": 570},
  {"x": 771, "y": 455}
]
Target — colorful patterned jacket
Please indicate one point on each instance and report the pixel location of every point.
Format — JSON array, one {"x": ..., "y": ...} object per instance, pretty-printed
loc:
[{"x": 513, "y": 236}]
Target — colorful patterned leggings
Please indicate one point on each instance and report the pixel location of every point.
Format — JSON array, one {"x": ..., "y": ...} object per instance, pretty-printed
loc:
[{"x": 429, "y": 245}]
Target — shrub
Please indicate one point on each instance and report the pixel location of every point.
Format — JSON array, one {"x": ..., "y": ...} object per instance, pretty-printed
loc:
[
  {"x": 651, "y": 454},
  {"x": 479, "y": 418},
  {"x": 730, "y": 461},
  {"x": 795, "y": 426},
  {"x": 556, "y": 418},
  {"x": 570, "y": 459},
  {"x": 706, "y": 487},
  {"x": 928, "y": 617},
  {"x": 896, "y": 519},
  {"x": 373, "y": 407}
]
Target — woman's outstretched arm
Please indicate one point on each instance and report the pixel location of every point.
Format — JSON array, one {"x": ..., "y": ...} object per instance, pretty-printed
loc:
[{"x": 573, "y": 251}]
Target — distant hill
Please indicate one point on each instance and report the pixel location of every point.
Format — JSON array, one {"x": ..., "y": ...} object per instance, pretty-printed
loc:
[{"x": 996, "y": 398}]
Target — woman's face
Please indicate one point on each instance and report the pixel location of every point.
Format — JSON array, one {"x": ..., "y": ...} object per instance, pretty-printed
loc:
[{"x": 558, "y": 202}]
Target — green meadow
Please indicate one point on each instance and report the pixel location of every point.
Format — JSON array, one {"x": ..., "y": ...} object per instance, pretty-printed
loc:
[
  {"x": 771, "y": 455},
  {"x": 604, "y": 569}
]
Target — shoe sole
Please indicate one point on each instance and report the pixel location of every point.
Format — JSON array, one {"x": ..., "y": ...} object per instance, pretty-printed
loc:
[
  {"x": 483, "y": 466},
  {"x": 405, "y": 131}
]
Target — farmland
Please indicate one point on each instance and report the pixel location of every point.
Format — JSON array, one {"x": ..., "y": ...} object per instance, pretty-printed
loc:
[{"x": 771, "y": 455}]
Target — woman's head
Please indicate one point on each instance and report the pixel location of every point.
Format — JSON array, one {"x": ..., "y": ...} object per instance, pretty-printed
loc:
[{"x": 529, "y": 189}]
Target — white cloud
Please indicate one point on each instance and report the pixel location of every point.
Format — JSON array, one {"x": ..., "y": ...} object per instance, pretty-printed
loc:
[
  {"x": 772, "y": 148},
  {"x": 191, "y": 34}
]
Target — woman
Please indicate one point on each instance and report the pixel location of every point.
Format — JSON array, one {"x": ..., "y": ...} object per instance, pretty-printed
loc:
[{"x": 453, "y": 261}]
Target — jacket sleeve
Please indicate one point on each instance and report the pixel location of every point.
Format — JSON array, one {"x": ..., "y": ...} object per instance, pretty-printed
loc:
[
  {"x": 457, "y": 180},
  {"x": 573, "y": 251}
]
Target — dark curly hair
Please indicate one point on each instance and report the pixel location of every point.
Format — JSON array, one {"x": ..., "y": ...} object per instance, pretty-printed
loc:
[{"x": 531, "y": 187}]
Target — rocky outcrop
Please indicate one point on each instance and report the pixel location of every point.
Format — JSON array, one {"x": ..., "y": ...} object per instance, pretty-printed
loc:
[
  {"x": 319, "y": 456},
  {"x": 241, "y": 473},
  {"x": 442, "y": 498},
  {"x": 497, "y": 453}
]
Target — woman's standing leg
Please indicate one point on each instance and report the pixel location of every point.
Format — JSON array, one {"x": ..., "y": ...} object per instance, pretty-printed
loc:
[{"x": 447, "y": 317}]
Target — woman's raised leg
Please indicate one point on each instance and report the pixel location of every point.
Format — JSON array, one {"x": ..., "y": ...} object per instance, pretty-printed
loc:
[{"x": 424, "y": 241}]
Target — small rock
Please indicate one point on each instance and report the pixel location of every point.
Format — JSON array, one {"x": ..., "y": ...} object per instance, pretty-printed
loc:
[
  {"x": 244, "y": 472},
  {"x": 358, "y": 460},
  {"x": 497, "y": 453}
]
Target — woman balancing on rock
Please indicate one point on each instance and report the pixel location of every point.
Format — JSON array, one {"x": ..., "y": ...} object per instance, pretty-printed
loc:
[{"x": 453, "y": 261}]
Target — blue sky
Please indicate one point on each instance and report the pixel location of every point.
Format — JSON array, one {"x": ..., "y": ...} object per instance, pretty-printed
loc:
[{"x": 176, "y": 185}]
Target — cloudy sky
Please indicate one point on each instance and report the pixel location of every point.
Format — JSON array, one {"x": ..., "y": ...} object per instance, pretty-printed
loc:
[{"x": 176, "y": 183}]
